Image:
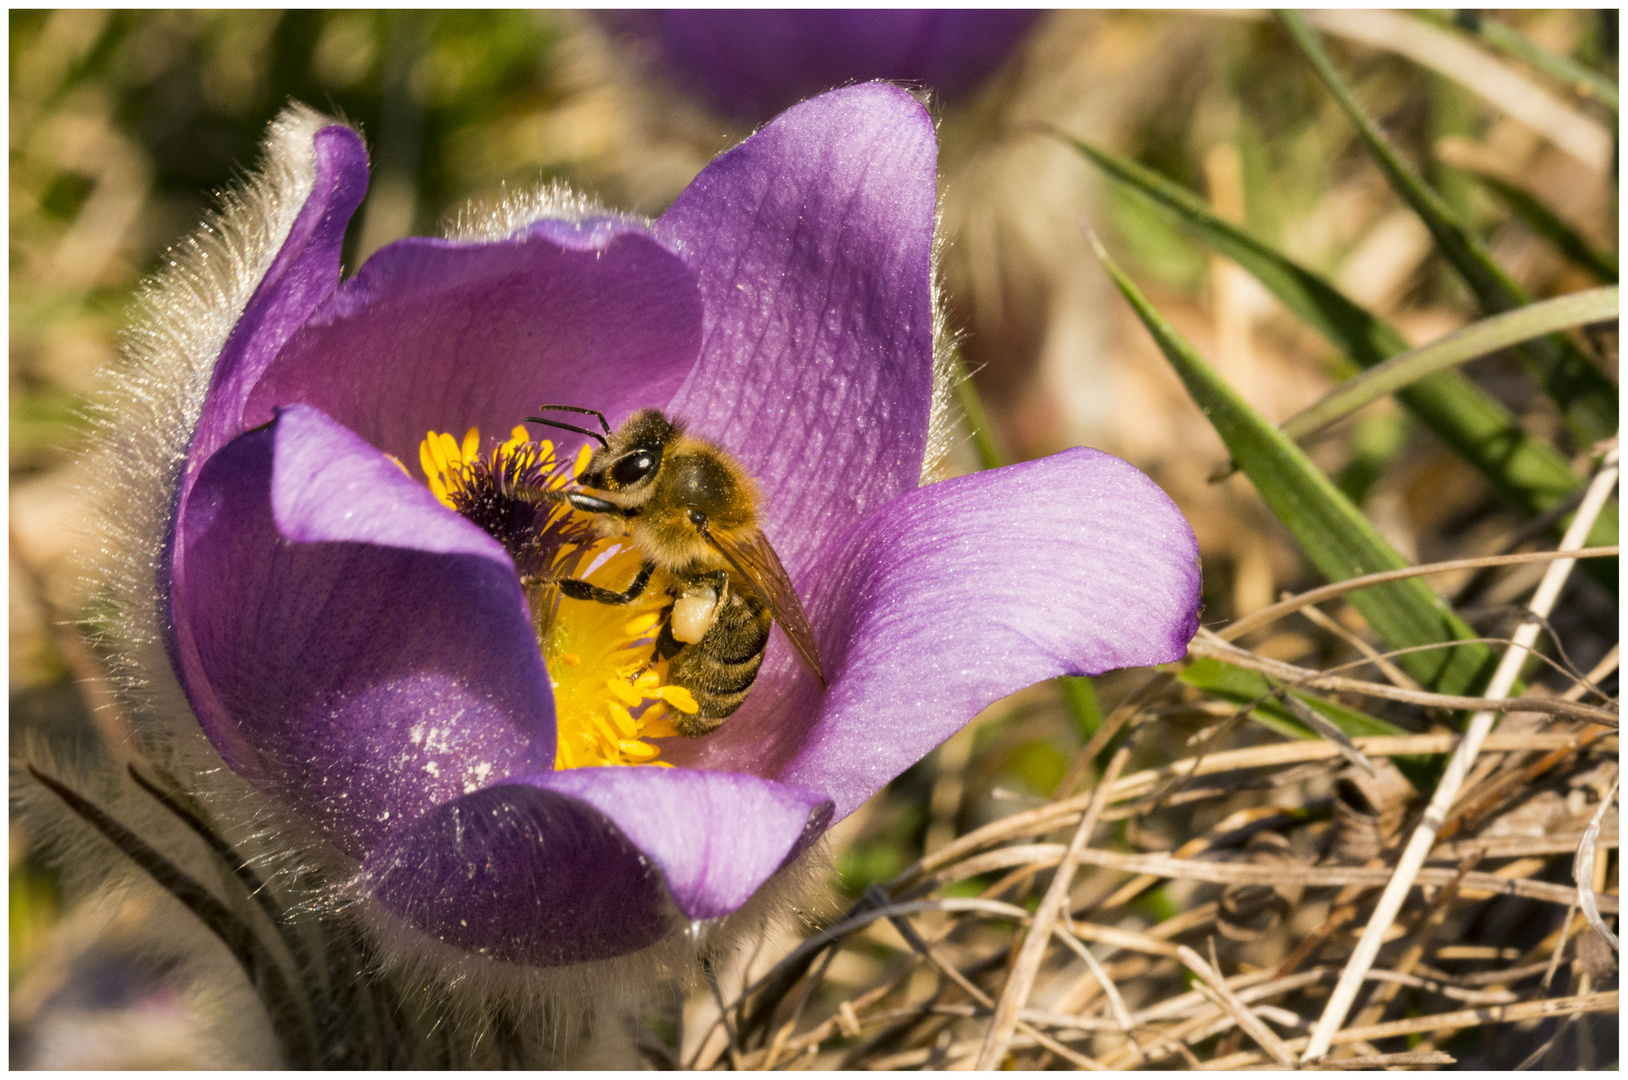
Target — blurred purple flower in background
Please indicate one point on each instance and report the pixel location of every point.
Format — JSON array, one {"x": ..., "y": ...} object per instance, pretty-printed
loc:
[
  {"x": 113, "y": 1008},
  {"x": 365, "y": 655},
  {"x": 752, "y": 64}
]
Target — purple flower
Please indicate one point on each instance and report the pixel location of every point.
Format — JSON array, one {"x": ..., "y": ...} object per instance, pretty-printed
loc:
[
  {"x": 752, "y": 64},
  {"x": 366, "y": 655}
]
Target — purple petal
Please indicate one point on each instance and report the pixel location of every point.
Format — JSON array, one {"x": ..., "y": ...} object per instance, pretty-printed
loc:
[
  {"x": 521, "y": 875},
  {"x": 716, "y": 836},
  {"x": 363, "y": 684},
  {"x": 961, "y": 593},
  {"x": 436, "y": 335},
  {"x": 327, "y": 484},
  {"x": 752, "y": 64},
  {"x": 814, "y": 244},
  {"x": 304, "y": 273},
  {"x": 562, "y": 867}
]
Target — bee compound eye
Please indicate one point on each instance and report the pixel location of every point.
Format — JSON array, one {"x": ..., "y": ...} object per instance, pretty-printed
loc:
[{"x": 633, "y": 468}]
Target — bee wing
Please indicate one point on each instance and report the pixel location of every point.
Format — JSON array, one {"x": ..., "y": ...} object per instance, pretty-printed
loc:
[{"x": 751, "y": 554}]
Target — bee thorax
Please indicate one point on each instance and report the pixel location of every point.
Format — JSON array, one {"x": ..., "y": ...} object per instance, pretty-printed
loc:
[{"x": 672, "y": 543}]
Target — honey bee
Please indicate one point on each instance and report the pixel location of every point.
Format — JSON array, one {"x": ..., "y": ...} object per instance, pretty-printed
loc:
[{"x": 691, "y": 511}]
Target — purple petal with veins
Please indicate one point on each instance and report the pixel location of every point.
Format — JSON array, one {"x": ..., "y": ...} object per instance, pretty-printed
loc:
[{"x": 433, "y": 335}]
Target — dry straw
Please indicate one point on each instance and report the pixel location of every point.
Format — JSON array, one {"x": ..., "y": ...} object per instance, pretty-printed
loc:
[{"x": 1047, "y": 964}]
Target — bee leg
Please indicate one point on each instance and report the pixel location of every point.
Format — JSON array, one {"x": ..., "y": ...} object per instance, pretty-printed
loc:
[
  {"x": 582, "y": 590},
  {"x": 590, "y": 505},
  {"x": 667, "y": 646}
]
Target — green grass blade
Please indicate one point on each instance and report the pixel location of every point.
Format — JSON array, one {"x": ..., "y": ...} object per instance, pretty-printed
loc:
[
  {"x": 1333, "y": 533},
  {"x": 1356, "y": 333},
  {"x": 1527, "y": 471},
  {"x": 1513, "y": 43},
  {"x": 1461, "y": 346},
  {"x": 1375, "y": 442},
  {"x": 1584, "y": 394},
  {"x": 977, "y": 418},
  {"x": 1084, "y": 708},
  {"x": 1240, "y": 687},
  {"x": 1548, "y": 224}
]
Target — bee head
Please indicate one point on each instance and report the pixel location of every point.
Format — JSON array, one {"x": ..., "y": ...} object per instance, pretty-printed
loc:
[{"x": 631, "y": 458}]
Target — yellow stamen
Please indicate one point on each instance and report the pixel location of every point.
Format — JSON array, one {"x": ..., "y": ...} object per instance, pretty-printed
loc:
[
  {"x": 642, "y": 625},
  {"x": 609, "y": 698},
  {"x": 680, "y": 699},
  {"x": 624, "y": 691},
  {"x": 639, "y": 751},
  {"x": 435, "y": 467},
  {"x": 660, "y": 728}
]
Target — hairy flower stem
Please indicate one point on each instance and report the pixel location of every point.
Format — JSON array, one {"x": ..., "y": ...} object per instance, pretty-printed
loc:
[{"x": 262, "y": 970}]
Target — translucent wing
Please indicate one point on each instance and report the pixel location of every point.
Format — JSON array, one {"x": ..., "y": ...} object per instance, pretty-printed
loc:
[{"x": 749, "y": 553}]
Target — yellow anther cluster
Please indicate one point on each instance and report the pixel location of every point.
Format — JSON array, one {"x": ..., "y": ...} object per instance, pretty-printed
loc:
[
  {"x": 447, "y": 463},
  {"x": 444, "y": 460},
  {"x": 609, "y": 699}
]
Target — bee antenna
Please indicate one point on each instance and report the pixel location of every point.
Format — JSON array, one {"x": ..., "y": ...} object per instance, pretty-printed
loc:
[
  {"x": 576, "y": 409},
  {"x": 570, "y": 427}
]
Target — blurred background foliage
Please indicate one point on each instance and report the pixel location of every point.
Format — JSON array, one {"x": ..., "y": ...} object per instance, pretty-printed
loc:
[{"x": 123, "y": 124}]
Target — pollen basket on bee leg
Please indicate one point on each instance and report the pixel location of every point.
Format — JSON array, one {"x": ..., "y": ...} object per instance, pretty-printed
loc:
[{"x": 694, "y": 612}]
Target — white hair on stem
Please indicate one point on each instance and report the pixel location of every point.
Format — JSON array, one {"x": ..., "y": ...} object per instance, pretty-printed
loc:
[
  {"x": 554, "y": 1008},
  {"x": 142, "y": 421},
  {"x": 120, "y": 908},
  {"x": 555, "y": 201},
  {"x": 943, "y": 427}
]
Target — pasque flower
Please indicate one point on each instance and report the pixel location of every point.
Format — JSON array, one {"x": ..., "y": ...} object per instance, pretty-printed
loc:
[
  {"x": 752, "y": 63},
  {"x": 359, "y": 643}
]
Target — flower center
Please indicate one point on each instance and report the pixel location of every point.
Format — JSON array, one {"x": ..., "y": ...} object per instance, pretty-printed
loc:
[{"x": 610, "y": 693}]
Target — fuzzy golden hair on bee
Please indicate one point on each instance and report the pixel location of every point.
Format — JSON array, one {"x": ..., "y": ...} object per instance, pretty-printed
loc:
[{"x": 690, "y": 476}]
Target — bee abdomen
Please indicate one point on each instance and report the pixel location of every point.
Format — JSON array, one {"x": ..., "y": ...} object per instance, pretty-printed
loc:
[
  {"x": 717, "y": 688},
  {"x": 719, "y": 670}
]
